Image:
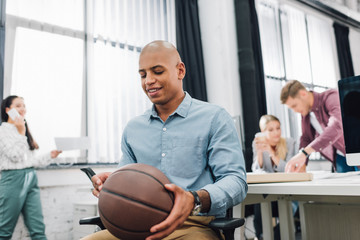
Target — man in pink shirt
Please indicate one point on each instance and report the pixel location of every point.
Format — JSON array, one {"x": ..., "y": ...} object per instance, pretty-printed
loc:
[{"x": 321, "y": 125}]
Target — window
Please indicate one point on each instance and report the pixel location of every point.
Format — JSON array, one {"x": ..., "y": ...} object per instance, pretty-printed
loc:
[
  {"x": 44, "y": 64},
  {"x": 120, "y": 29},
  {"x": 295, "y": 45},
  {"x": 75, "y": 63}
]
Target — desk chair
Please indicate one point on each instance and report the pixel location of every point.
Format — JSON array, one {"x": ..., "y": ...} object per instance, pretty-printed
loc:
[{"x": 227, "y": 225}]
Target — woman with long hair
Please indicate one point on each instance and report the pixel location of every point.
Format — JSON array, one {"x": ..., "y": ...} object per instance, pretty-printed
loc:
[
  {"x": 19, "y": 191},
  {"x": 271, "y": 151}
]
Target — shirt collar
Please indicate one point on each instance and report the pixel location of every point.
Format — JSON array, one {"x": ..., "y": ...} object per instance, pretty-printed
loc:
[{"x": 182, "y": 110}]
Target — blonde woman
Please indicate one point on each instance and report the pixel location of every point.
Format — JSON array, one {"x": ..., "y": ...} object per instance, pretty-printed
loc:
[
  {"x": 270, "y": 150},
  {"x": 271, "y": 153}
]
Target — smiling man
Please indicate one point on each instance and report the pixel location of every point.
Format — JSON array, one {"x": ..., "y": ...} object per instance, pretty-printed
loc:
[
  {"x": 162, "y": 82},
  {"x": 321, "y": 125},
  {"x": 193, "y": 143}
]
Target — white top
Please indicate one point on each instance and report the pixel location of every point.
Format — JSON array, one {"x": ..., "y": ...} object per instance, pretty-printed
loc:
[
  {"x": 315, "y": 123},
  {"x": 15, "y": 152}
]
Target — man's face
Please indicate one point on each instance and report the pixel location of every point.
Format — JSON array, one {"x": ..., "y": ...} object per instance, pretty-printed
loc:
[
  {"x": 161, "y": 76},
  {"x": 298, "y": 104}
]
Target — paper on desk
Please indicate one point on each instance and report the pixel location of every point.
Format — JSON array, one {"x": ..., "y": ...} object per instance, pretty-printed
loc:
[
  {"x": 72, "y": 143},
  {"x": 326, "y": 174}
]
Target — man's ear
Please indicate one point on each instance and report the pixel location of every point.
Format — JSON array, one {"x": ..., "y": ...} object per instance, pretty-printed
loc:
[
  {"x": 181, "y": 71},
  {"x": 303, "y": 93}
]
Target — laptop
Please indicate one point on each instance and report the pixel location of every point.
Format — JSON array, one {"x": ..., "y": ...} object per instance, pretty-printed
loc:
[{"x": 349, "y": 93}]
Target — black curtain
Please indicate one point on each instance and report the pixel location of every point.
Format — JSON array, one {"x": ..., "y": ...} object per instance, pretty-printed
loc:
[
  {"x": 188, "y": 40},
  {"x": 343, "y": 50},
  {"x": 251, "y": 72}
]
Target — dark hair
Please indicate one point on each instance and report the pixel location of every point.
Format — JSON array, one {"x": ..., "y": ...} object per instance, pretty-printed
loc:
[{"x": 6, "y": 103}]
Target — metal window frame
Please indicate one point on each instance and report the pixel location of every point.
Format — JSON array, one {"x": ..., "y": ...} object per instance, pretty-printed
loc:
[{"x": 2, "y": 46}]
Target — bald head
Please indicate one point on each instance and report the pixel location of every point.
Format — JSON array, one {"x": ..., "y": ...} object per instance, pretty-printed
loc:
[{"x": 164, "y": 48}]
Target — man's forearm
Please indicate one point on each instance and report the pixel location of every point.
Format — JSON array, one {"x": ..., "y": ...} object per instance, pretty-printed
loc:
[{"x": 309, "y": 150}]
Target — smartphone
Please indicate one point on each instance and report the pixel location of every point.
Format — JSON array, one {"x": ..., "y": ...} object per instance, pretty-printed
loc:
[{"x": 13, "y": 113}]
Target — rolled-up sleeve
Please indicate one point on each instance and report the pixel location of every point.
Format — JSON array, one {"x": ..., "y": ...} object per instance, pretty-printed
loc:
[
  {"x": 333, "y": 131},
  {"x": 227, "y": 163}
]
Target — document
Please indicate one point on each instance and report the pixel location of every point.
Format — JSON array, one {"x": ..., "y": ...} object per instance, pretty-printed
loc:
[
  {"x": 72, "y": 143},
  {"x": 327, "y": 174}
]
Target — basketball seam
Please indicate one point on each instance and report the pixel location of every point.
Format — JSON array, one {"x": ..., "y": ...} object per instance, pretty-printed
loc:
[
  {"x": 122, "y": 170},
  {"x": 134, "y": 200}
]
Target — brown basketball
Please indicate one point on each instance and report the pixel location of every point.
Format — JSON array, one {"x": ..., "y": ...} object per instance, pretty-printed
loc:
[{"x": 134, "y": 199}]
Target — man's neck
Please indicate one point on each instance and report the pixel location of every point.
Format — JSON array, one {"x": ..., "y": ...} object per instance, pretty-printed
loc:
[
  {"x": 311, "y": 100},
  {"x": 164, "y": 111}
]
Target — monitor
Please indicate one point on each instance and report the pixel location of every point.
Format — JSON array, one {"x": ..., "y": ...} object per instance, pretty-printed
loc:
[{"x": 349, "y": 93}]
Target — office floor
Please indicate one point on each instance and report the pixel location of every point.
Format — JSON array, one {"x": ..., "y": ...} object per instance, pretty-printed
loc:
[
  {"x": 297, "y": 237},
  {"x": 249, "y": 226},
  {"x": 250, "y": 231}
]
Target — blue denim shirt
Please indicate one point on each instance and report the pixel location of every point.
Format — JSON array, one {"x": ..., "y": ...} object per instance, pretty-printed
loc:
[{"x": 197, "y": 147}]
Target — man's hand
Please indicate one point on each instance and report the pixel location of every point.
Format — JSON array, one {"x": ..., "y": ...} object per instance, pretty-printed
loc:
[
  {"x": 183, "y": 205},
  {"x": 296, "y": 163},
  {"x": 98, "y": 181}
]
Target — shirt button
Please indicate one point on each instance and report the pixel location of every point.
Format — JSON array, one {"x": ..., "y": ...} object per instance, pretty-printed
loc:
[
  {"x": 163, "y": 154},
  {"x": 164, "y": 129}
]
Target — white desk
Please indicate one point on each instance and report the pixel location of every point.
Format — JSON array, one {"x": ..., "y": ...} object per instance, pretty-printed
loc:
[{"x": 339, "y": 190}]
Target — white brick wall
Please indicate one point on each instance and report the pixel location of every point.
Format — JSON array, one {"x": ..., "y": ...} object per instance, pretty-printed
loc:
[{"x": 65, "y": 197}]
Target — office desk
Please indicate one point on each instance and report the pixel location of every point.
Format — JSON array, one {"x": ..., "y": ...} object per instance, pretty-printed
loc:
[{"x": 340, "y": 189}]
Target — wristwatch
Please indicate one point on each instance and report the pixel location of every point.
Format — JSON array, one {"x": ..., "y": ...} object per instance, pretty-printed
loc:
[
  {"x": 302, "y": 150},
  {"x": 197, "y": 204}
]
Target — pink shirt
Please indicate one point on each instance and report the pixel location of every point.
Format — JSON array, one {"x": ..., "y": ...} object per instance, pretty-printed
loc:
[{"x": 327, "y": 110}]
